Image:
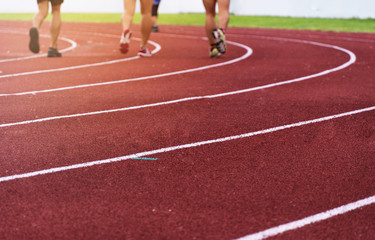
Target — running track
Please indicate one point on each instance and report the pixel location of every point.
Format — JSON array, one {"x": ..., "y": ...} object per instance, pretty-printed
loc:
[{"x": 276, "y": 139}]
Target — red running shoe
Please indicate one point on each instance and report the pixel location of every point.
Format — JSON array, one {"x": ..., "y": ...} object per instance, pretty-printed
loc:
[
  {"x": 144, "y": 52},
  {"x": 125, "y": 40}
]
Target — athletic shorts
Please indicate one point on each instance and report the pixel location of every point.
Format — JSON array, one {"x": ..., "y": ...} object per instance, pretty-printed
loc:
[
  {"x": 156, "y": 2},
  {"x": 53, "y": 2}
]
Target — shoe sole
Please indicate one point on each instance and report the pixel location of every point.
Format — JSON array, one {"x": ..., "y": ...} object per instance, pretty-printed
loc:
[
  {"x": 215, "y": 54},
  {"x": 144, "y": 54},
  {"x": 34, "y": 40},
  {"x": 54, "y": 55}
]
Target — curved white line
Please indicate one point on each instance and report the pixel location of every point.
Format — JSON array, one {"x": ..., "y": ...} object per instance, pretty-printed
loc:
[
  {"x": 156, "y": 49},
  {"x": 185, "y": 146},
  {"x": 246, "y": 55},
  {"x": 340, "y": 38},
  {"x": 351, "y": 61},
  {"x": 73, "y": 45},
  {"x": 249, "y": 51},
  {"x": 266, "y": 233},
  {"x": 310, "y": 220}
]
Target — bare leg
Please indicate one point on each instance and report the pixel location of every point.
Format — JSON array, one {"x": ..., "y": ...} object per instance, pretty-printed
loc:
[
  {"x": 210, "y": 19},
  {"x": 154, "y": 20},
  {"x": 55, "y": 25},
  {"x": 223, "y": 13},
  {"x": 41, "y": 14},
  {"x": 146, "y": 23},
  {"x": 155, "y": 27},
  {"x": 127, "y": 16},
  {"x": 37, "y": 23}
]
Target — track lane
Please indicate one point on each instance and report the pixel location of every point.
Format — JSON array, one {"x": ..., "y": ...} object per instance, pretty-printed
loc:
[
  {"x": 192, "y": 187},
  {"x": 234, "y": 188}
]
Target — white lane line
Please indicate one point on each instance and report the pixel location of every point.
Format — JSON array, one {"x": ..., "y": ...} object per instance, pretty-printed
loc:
[
  {"x": 249, "y": 52},
  {"x": 73, "y": 45},
  {"x": 343, "y": 38},
  {"x": 154, "y": 51},
  {"x": 351, "y": 61},
  {"x": 321, "y": 37},
  {"x": 185, "y": 146},
  {"x": 246, "y": 55},
  {"x": 310, "y": 220}
]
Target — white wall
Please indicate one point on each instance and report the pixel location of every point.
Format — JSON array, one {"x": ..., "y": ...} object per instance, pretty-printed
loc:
[
  {"x": 298, "y": 8},
  {"x": 306, "y": 8}
]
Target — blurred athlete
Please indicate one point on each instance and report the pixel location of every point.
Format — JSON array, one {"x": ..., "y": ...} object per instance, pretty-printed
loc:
[
  {"x": 146, "y": 25},
  {"x": 55, "y": 26},
  {"x": 216, "y": 33},
  {"x": 155, "y": 7}
]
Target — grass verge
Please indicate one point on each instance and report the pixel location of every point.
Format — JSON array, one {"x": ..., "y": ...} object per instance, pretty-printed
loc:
[{"x": 324, "y": 24}]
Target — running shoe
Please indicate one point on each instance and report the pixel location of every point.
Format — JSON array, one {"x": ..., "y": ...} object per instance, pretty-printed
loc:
[
  {"x": 155, "y": 28},
  {"x": 214, "y": 52},
  {"x": 125, "y": 40},
  {"x": 53, "y": 52},
  {"x": 221, "y": 43},
  {"x": 144, "y": 52},
  {"x": 34, "y": 40}
]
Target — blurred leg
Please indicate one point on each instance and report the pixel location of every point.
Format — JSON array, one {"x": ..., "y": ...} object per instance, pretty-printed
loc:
[
  {"x": 37, "y": 23},
  {"x": 155, "y": 27},
  {"x": 127, "y": 16},
  {"x": 55, "y": 25},
  {"x": 223, "y": 13},
  {"x": 41, "y": 14},
  {"x": 146, "y": 23},
  {"x": 127, "y": 20},
  {"x": 155, "y": 14},
  {"x": 209, "y": 5}
]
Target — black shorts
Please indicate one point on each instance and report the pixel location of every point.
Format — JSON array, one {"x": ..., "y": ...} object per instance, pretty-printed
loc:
[{"x": 53, "y": 2}]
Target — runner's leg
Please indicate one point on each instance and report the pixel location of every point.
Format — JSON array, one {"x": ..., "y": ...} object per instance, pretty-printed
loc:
[
  {"x": 210, "y": 19},
  {"x": 127, "y": 16},
  {"x": 223, "y": 13},
  {"x": 55, "y": 25},
  {"x": 41, "y": 15},
  {"x": 146, "y": 23}
]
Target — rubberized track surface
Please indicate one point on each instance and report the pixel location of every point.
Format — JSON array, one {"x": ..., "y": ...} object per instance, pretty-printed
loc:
[{"x": 279, "y": 129}]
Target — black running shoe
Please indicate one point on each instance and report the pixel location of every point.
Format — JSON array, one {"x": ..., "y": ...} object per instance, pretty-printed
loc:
[
  {"x": 52, "y": 52},
  {"x": 155, "y": 28},
  {"x": 34, "y": 40}
]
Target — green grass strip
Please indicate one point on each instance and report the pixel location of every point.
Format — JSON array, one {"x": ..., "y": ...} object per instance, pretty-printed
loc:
[{"x": 324, "y": 24}]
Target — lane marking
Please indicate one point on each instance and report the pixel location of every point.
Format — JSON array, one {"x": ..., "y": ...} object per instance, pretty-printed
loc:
[
  {"x": 249, "y": 51},
  {"x": 344, "y": 38},
  {"x": 184, "y": 146},
  {"x": 348, "y": 63},
  {"x": 154, "y": 51},
  {"x": 73, "y": 45},
  {"x": 310, "y": 220},
  {"x": 340, "y": 38}
]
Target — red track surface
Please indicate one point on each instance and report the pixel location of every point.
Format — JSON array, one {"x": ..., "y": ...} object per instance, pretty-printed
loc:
[{"x": 222, "y": 190}]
